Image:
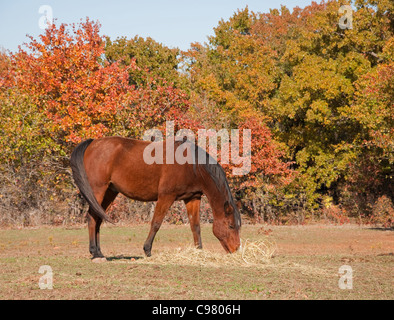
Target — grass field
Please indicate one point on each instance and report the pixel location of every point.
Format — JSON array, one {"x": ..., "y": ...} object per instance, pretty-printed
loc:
[{"x": 305, "y": 266}]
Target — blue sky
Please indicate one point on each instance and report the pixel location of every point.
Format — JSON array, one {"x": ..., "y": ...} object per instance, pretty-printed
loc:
[{"x": 175, "y": 23}]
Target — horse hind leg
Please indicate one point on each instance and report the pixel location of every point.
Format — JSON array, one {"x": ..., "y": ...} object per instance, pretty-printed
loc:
[{"x": 94, "y": 223}]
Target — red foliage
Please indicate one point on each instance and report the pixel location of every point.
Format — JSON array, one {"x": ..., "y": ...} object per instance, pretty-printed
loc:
[
  {"x": 266, "y": 157},
  {"x": 64, "y": 76},
  {"x": 86, "y": 96}
]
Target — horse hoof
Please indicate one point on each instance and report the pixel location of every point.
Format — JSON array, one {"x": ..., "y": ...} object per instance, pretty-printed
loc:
[
  {"x": 147, "y": 250},
  {"x": 99, "y": 260}
]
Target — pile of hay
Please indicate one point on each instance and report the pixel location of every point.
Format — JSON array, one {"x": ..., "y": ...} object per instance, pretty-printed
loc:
[
  {"x": 257, "y": 252},
  {"x": 252, "y": 253}
]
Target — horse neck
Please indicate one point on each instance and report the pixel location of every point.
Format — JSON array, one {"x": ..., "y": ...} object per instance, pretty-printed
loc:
[{"x": 216, "y": 197}]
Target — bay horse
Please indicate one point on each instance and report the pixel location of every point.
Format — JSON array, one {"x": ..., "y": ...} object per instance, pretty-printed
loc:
[{"x": 105, "y": 167}]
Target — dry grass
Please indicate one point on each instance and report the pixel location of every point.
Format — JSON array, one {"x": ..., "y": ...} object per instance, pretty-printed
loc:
[
  {"x": 252, "y": 253},
  {"x": 286, "y": 263},
  {"x": 256, "y": 254}
]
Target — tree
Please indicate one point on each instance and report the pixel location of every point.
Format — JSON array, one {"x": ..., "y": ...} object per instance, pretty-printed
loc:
[
  {"x": 320, "y": 67},
  {"x": 371, "y": 175},
  {"x": 235, "y": 70},
  {"x": 65, "y": 77},
  {"x": 232, "y": 79},
  {"x": 153, "y": 61},
  {"x": 61, "y": 90},
  {"x": 302, "y": 76}
]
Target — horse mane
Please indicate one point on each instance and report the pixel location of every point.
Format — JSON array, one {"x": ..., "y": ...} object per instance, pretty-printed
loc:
[{"x": 216, "y": 172}]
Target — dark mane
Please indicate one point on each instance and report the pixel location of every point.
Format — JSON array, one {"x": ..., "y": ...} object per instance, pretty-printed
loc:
[{"x": 215, "y": 170}]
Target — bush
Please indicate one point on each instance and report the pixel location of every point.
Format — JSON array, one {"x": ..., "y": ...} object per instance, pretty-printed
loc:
[{"x": 383, "y": 213}]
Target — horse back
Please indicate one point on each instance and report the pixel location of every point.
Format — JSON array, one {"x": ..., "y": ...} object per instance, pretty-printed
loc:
[{"x": 119, "y": 163}]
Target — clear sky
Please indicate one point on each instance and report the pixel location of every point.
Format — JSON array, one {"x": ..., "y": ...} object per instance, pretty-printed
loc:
[{"x": 175, "y": 23}]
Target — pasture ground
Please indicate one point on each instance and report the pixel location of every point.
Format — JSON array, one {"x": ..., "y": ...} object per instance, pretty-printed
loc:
[{"x": 305, "y": 266}]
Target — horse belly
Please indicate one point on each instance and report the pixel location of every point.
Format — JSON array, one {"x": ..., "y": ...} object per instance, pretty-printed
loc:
[{"x": 140, "y": 185}]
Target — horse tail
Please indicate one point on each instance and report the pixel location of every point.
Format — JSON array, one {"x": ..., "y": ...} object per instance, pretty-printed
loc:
[{"x": 81, "y": 179}]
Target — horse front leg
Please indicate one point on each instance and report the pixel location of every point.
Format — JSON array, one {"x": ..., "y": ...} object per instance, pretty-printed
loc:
[
  {"x": 193, "y": 212},
  {"x": 163, "y": 204}
]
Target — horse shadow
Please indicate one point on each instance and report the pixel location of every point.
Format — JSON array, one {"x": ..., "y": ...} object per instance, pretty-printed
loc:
[
  {"x": 381, "y": 228},
  {"x": 122, "y": 257}
]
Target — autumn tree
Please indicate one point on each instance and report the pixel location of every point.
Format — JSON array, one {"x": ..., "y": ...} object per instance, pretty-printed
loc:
[
  {"x": 29, "y": 156},
  {"x": 317, "y": 98},
  {"x": 371, "y": 174},
  {"x": 235, "y": 70},
  {"x": 314, "y": 104},
  {"x": 233, "y": 78},
  {"x": 66, "y": 79},
  {"x": 303, "y": 75},
  {"x": 59, "y": 90},
  {"x": 154, "y": 60}
]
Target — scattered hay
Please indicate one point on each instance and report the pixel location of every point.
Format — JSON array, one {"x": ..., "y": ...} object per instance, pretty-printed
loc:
[
  {"x": 257, "y": 252},
  {"x": 253, "y": 253}
]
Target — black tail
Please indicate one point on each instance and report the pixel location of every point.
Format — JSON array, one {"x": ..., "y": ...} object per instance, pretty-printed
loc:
[{"x": 81, "y": 179}]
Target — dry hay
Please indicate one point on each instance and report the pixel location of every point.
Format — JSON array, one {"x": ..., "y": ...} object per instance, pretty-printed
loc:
[{"x": 252, "y": 253}]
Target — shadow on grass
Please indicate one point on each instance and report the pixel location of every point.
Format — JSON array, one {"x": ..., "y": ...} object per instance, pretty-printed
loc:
[
  {"x": 122, "y": 257},
  {"x": 381, "y": 229}
]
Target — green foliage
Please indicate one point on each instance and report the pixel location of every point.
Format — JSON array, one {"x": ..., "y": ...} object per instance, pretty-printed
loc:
[
  {"x": 33, "y": 167},
  {"x": 325, "y": 93},
  {"x": 154, "y": 60}
]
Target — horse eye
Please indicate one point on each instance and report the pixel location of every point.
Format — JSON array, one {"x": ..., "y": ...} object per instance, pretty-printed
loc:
[{"x": 231, "y": 226}]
